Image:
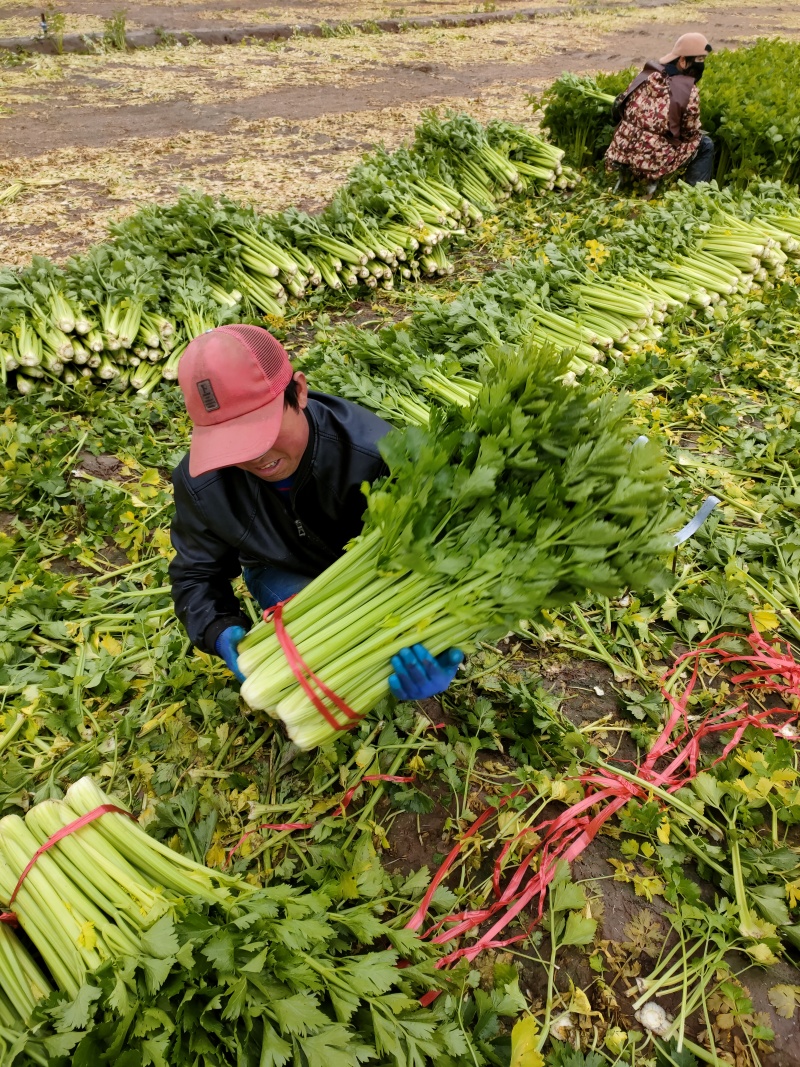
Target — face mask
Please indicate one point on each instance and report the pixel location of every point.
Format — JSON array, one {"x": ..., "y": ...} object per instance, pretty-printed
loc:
[{"x": 696, "y": 71}]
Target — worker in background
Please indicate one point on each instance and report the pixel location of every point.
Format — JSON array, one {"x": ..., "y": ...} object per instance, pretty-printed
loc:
[
  {"x": 658, "y": 118},
  {"x": 270, "y": 489}
]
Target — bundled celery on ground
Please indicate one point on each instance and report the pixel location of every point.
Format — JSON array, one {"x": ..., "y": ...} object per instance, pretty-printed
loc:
[
  {"x": 122, "y": 313},
  {"x": 157, "y": 959},
  {"x": 527, "y": 499},
  {"x": 22, "y": 984}
]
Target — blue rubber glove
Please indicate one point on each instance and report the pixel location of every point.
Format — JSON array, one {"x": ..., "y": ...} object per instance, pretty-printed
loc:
[
  {"x": 418, "y": 674},
  {"x": 226, "y": 646}
]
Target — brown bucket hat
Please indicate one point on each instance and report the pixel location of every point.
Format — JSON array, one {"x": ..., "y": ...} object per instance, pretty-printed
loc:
[{"x": 689, "y": 44}]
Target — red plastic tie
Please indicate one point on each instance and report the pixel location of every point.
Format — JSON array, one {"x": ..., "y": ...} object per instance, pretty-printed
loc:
[
  {"x": 267, "y": 613},
  {"x": 59, "y": 835},
  {"x": 9, "y": 917},
  {"x": 565, "y": 837},
  {"x": 306, "y": 677}
]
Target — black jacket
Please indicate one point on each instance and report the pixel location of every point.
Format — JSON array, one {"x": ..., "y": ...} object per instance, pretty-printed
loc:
[{"x": 228, "y": 519}]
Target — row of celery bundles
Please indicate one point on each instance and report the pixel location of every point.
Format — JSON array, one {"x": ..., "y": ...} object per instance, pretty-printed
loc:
[{"x": 527, "y": 499}]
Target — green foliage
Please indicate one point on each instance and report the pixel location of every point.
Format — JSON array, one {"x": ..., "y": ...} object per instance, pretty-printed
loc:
[
  {"x": 669, "y": 1056},
  {"x": 577, "y": 113},
  {"x": 277, "y": 979},
  {"x": 751, "y": 108},
  {"x": 563, "y": 1055},
  {"x": 114, "y": 31},
  {"x": 56, "y": 24},
  {"x": 533, "y": 457}
]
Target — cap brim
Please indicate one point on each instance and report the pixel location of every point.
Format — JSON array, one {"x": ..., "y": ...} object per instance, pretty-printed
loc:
[
  {"x": 235, "y": 441},
  {"x": 669, "y": 59}
]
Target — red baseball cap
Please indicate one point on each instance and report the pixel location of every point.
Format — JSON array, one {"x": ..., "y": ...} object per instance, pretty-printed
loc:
[{"x": 233, "y": 379}]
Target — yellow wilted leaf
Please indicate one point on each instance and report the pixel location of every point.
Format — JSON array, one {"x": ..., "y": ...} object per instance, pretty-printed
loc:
[
  {"x": 579, "y": 1003},
  {"x": 616, "y": 1039},
  {"x": 160, "y": 540},
  {"x": 380, "y": 834},
  {"x": 762, "y": 954},
  {"x": 160, "y": 718},
  {"x": 662, "y": 833},
  {"x": 647, "y": 887},
  {"x": 111, "y": 644},
  {"x": 765, "y": 619},
  {"x": 523, "y": 1044},
  {"x": 783, "y": 998},
  {"x": 215, "y": 857},
  {"x": 622, "y": 870},
  {"x": 558, "y": 790},
  {"x": 87, "y": 938},
  {"x": 783, "y": 774},
  {"x": 508, "y": 823}
]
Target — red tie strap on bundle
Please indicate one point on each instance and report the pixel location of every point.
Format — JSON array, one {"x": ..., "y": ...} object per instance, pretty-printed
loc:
[
  {"x": 566, "y": 836},
  {"x": 59, "y": 835},
  {"x": 306, "y": 677}
]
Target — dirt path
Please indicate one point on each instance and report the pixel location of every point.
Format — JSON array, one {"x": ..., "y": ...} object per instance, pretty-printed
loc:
[
  {"x": 68, "y": 118},
  {"x": 20, "y": 17}
]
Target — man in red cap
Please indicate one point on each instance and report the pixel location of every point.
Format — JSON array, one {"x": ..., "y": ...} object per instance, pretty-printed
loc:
[
  {"x": 658, "y": 118},
  {"x": 271, "y": 489}
]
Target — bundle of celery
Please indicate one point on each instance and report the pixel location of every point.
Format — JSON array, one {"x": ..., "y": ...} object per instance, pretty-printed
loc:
[
  {"x": 728, "y": 245},
  {"x": 22, "y": 986},
  {"x": 526, "y": 499},
  {"x": 102, "y": 319},
  {"x": 577, "y": 113},
  {"x": 159, "y": 960}
]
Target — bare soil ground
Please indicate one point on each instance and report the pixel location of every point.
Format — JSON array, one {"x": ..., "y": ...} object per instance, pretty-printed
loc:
[
  {"x": 92, "y": 137},
  {"x": 20, "y": 17}
]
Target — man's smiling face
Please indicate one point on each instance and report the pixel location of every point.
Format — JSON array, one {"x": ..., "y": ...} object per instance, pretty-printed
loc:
[{"x": 283, "y": 458}]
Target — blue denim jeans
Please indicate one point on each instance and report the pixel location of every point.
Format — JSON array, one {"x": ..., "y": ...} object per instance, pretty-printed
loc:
[{"x": 270, "y": 585}]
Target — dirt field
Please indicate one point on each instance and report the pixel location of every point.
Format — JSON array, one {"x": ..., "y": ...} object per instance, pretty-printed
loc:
[
  {"x": 91, "y": 137},
  {"x": 81, "y": 16}
]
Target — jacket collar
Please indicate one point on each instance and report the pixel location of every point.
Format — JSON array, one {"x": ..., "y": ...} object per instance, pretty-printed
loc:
[{"x": 303, "y": 472}]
